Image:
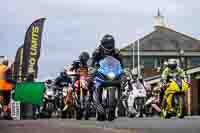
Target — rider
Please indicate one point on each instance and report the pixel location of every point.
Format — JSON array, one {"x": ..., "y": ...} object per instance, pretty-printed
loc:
[
  {"x": 5, "y": 84},
  {"x": 138, "y": 79},
  {"x": 168, "y": 72},
  {"x": 80, "y": 65},
  {"x": 64, "y": 78},
  {"x": 106, "y": 48}
]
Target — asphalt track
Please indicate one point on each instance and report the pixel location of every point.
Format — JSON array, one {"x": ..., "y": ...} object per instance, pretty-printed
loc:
[{"x": 121, "y": 125}]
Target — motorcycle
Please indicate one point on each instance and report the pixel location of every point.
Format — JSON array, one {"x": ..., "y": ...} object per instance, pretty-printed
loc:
[
  {"x": 60, "y": 99},
  {"x": 49, "y": 100},
  {"x": 107, "y": 82},
  {"x": 174, "y": 95},
  {"x": 82, "y": 98},
  {"x": 136, "y": 100},
  {"x": 68, "y": 97},
  {"x": 126, "y": 88}
]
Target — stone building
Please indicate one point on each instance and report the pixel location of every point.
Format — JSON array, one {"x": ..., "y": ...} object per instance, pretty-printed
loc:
[{"x": 160, "y": 45}]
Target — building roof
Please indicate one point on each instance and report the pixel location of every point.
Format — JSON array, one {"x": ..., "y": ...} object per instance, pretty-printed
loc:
[{"x": 166, "y": 39}]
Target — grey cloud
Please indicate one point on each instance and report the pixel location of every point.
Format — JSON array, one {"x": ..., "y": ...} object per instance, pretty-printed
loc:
[{"x": 76, "y": 25}]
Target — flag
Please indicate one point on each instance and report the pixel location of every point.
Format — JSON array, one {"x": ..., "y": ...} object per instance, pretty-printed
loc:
[
  {"x": 16, "y": 67},
  {"x": 32, "y": 46}
]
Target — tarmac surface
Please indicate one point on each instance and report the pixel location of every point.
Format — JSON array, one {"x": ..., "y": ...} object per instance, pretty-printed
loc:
[{"x": 120, "y": 125}]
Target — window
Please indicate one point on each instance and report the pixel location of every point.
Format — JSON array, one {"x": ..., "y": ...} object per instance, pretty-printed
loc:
[
  {"x": 148, "y": 62},
  {"x": 195, "y": 61},
  {"x": 127, "y": 61}
]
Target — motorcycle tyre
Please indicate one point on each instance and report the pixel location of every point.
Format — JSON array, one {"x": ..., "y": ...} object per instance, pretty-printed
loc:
[
  {"x": 79, "y": 114},
  {"x": 49, "y": 115},
  {"x": 112, "y": 104},
  {"x": 86, "y": 113},
  {"x": 181, "y": 107},
  {"x": 140, "y": 110},
  {"x": 100, "y": 117},
  {"x": 164, "y": 113}
]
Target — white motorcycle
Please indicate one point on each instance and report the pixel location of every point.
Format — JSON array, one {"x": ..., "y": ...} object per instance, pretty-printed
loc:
[
  {"x": 136, "y": 100},
  {"x": 49, "y": 100}
]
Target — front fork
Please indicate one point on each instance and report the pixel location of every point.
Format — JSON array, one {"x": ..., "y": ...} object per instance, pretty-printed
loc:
[
  {"x": 83, "y": 99},
  {"x": 167, "y": 102}
]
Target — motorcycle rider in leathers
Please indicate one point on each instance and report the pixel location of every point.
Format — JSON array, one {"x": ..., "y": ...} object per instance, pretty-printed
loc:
[
  {"x": 106, "y": 48},
  {"x": 63, "y": 78},
  {"x": 171, "y": 69},
  {"x": 80, "y": 66}
]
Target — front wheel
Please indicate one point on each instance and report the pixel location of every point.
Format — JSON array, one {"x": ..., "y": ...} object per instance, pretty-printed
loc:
[
  {"x": 164, "y": 112},
  {"x": 111, "y": 103},
  {"x": 79, "y": 114},
  {"x": 49, "y": 115},
  {"x": 100, "y": 117},
  {"x": 180, "y": 107},
  {"x": 139, "y": 106}
]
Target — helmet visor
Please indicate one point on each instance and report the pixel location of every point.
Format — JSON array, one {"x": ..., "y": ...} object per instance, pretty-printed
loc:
[
  {"x": 172, "y": 66},
  {"x": 108, "y": 45}
]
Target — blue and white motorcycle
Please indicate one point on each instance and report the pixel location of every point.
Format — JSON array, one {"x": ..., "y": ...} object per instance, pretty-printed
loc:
[{"x": 108, "y": 82}]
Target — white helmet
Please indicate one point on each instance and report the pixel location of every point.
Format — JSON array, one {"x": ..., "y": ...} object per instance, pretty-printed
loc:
[
  {"x": 67, "y": 68},
  {"x": 134, "y": 71},
  {"x": 172, "y": 62},
  {"x": 165, "y": 63}
]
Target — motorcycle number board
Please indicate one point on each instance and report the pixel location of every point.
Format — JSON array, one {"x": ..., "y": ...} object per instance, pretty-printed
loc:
[{"x": 29, "y": 92}]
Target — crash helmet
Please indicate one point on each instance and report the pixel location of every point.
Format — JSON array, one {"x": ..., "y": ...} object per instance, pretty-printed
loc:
[
  {"x": 172, "y": 64},
  {"x": 66, "y": 70},
  {"x": 134, "y": 73},
  {"x": 156, "y": 90},
  {"x": 107, "y": 43},
  {"x": 127, "y": 73},
  {"x": 48, "y": 81},
  {"x": 165, "y": 63},
  {"x": 84, "y": 57},
  {"x": 5, "y": 61}
]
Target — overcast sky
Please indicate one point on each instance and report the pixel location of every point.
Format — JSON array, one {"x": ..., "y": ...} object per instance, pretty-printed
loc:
[{"x": 76, "y": 25}]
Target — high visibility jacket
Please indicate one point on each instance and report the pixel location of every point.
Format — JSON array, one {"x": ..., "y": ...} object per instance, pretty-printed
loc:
[
  {"x": 3, "y": 69},
  {"x": 168, "y": 72},
  {"x": 4, "y": 85}
]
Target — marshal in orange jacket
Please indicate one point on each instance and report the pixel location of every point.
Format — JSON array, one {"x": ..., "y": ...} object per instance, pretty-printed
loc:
[{"x": 4, "y": 85}]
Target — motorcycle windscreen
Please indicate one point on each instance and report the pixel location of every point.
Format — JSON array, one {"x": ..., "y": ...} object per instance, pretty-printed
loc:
[{"x": 110, "y": 65}]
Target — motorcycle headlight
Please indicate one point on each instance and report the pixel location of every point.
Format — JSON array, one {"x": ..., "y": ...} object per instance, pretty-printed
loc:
[{"x": 111, "y": 75}]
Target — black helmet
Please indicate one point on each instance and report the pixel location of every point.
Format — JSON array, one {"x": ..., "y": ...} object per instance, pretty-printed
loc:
[
  {"x": 48, "y": 81},
  {"x": 108, "y": 42},
  {"x": 84, "y": 56}
]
